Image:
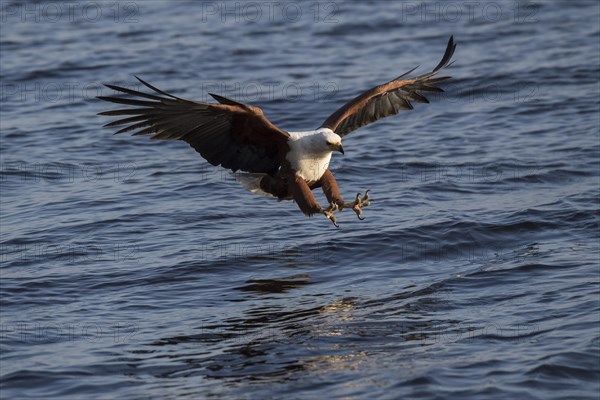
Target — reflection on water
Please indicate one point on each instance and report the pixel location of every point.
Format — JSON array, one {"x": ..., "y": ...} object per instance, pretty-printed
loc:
[
  {"x": 280, "y": 285},
  {"x": 331, "y": 363},
  {"x": 269, "y": 343}
]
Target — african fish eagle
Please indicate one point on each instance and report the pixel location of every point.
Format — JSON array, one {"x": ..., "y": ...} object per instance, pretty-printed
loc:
[{"x": 286, "y": 165}]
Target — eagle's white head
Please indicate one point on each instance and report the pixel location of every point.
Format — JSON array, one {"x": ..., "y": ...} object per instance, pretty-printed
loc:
[
  {"x": 333, "y": 141},
  {"x": 310, "y": 152},
  {"x": 319, "y": 142}
]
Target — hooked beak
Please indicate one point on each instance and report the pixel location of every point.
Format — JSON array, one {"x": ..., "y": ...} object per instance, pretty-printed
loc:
[{"x": 337, "y": 147}]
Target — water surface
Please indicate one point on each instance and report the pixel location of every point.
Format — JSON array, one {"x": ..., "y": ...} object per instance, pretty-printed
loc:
[{"x": 133, "y": 269}]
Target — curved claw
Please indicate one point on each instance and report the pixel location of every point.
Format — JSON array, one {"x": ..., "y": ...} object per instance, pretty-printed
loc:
[
  {"x": 357, "y": 205},
  {"x": 328, "y": 212},
  {"x": 358, "y": 211},
  {"x": 331, "y": 217},
  {"x": 365, "y": 200}
]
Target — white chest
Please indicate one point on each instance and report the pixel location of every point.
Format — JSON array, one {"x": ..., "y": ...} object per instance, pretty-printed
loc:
[{"x": 311, "y": 168}]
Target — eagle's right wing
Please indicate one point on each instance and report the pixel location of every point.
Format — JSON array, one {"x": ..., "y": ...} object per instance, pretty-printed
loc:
[
  {"x": 387, "y": 99},
  {"x": 231, "y": 134}
]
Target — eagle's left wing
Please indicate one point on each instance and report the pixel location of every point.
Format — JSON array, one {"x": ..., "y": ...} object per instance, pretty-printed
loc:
[
  {"x": 387, "y": 99},
  {"x": 234, "y": 135}
]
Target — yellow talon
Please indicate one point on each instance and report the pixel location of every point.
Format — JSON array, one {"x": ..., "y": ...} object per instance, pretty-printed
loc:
[{"x": 358, "y": 203}]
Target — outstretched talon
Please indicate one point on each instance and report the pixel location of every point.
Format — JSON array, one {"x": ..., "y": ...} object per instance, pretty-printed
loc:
[
  {"x": 328, "y": 212},
  {"x": 358, "y": 204}
]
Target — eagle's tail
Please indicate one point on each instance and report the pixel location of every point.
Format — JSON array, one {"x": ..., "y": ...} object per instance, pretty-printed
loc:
[{"x": 251, "y": 181}]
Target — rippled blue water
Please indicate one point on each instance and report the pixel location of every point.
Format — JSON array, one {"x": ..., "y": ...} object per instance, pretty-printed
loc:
[{"x": 133, "y": 269}]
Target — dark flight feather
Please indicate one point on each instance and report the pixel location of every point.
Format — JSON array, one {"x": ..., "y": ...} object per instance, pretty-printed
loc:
[
  {"x": 387, "y": 99},
  {"x": 231, "y": 134}
]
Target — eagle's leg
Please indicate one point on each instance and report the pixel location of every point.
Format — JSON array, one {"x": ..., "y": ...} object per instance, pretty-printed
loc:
[
  {"x": 306, "y": 201},
  {"x": 331, "y": 190},
  {"x": 358, "y": 204}
]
